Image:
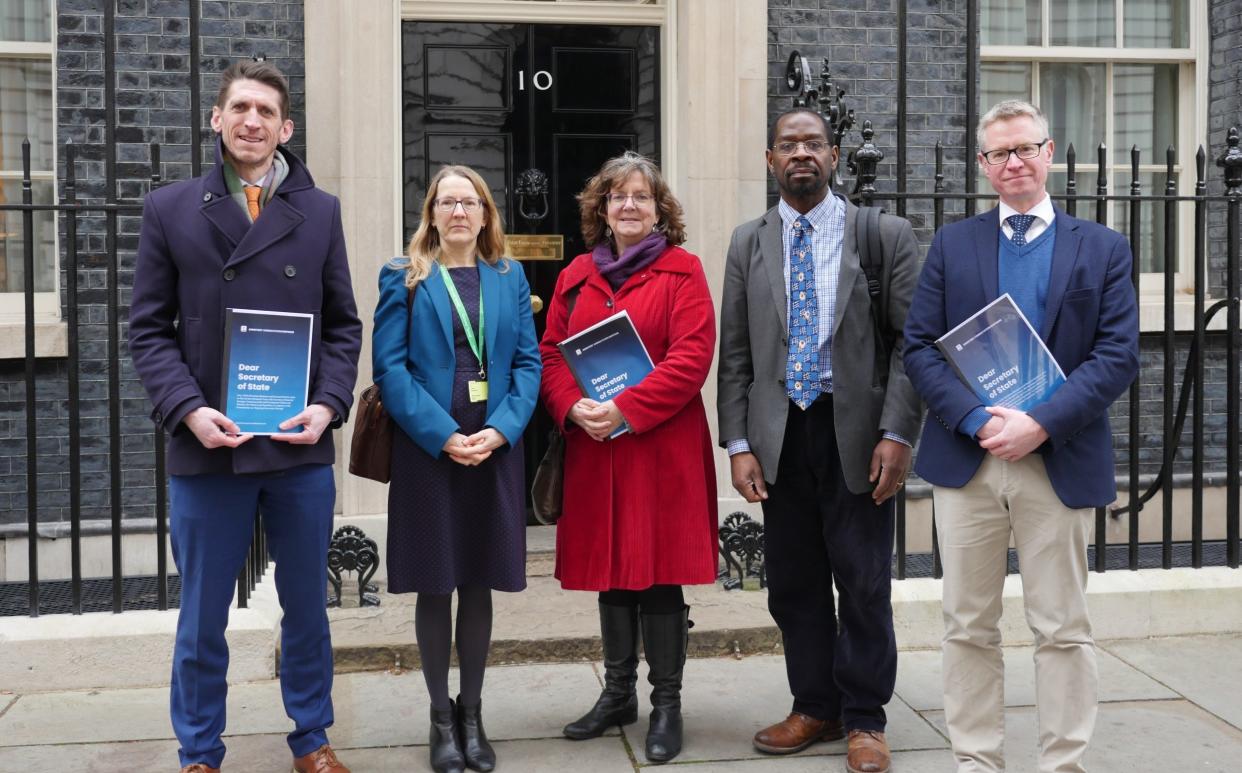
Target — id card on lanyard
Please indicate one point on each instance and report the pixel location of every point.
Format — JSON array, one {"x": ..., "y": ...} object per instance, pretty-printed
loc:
[{"x": 478, "y": 389}]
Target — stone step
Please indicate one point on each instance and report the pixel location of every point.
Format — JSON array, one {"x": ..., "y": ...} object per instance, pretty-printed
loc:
[{"x": 545, "y": 624}]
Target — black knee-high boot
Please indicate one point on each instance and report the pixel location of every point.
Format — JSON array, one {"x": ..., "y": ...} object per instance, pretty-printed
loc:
[
  {"x": 618, "y": 703},
  {"x": 665, "y": 639}
]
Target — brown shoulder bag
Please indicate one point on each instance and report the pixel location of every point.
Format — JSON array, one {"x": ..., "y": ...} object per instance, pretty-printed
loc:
[{"x": 370, "y": 452}]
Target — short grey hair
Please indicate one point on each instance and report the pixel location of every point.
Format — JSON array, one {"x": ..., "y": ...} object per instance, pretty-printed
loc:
[{"x": 1010, "y": 108}]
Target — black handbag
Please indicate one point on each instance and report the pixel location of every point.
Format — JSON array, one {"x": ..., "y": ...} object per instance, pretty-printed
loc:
[{"x": 548, "y": 488}]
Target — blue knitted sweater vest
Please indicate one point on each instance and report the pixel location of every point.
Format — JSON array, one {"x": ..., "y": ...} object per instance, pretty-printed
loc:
[{"x": 1023, "y": 273}]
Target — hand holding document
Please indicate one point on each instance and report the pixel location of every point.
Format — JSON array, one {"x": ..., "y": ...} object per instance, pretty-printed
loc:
[
  {"x": 1000, "y": 357},
  {"x": 605, "y": 360}
]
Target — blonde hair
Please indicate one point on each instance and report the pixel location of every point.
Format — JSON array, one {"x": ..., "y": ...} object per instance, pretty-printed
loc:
[
  {"x": 1007, "y": 110},
  {"x": 424, "y": 249},
  {"x": 593, "y": 201}
]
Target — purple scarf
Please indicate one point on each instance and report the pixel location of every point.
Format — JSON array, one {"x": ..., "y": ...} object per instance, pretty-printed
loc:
[{"x": 618, "y": 269}]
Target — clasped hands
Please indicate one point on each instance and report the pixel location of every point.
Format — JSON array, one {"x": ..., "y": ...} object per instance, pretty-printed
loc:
[
  {"x": 1010, "y": 434},
  {"x": 471, "y": 450},
  {"x": 215, "y": 430},
  {"x": 599, "y": 420}
]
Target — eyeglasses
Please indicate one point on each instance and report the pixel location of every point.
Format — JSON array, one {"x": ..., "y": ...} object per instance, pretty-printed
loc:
[
  {"x": 639, "y": 199},
  {"x": 447, "y": 205},
  {"x": 1025, "y": 150},
  {"x": 789, "y": 148}
]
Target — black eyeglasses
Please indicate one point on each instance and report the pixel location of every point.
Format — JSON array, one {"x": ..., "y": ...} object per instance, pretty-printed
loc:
[{"x": 1025, "y": 150}]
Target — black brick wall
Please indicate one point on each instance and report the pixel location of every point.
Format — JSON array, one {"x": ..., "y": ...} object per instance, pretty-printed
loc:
[
  {"x": 858, "y": 37},
  {"x": 153, "y": 104}
]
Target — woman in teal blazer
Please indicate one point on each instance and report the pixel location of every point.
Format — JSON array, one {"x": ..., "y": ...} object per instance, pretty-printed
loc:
[{"x": 457, "y": 363}]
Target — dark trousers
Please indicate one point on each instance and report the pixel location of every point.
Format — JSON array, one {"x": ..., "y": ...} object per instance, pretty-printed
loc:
[
  {"x": 212, "y": 526},
  {"x": 817, "y": 532}
]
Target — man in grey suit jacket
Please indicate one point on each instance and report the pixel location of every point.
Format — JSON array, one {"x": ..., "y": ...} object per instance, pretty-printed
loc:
[{"x": 819, "y": 418}]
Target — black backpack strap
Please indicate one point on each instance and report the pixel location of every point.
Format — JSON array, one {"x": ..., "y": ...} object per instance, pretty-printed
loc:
[{"x": 871, "y": 260}]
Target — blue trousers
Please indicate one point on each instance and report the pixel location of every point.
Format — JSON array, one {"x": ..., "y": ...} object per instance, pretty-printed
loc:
[{"x": 212, "y": 524}]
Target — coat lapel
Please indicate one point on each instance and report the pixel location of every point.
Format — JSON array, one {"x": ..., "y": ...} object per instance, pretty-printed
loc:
[
  {"x": 851, "y": 265},
  {"x": 438, "y": 295},
  {"x": 772, "y": 255},
  {"x": 489, "y": 281},
  {"x": 987, "y": 228},
  {"x": 1064, "y": 256},
  {"x": 227, "y": 218},
  {"x": 274, "y": 223}
]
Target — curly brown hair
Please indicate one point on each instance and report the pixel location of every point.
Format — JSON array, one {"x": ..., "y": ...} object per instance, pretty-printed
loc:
[{"x": 593, "y": 201}]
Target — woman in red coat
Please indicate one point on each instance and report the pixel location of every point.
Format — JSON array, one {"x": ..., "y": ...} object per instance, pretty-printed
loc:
[{"x": 639, "y": 511}]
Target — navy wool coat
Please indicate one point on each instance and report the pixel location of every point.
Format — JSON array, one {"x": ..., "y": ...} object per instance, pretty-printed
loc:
[{"x": 198, "y": 255}]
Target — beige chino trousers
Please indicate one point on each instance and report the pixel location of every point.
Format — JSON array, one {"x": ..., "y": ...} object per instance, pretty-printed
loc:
[{"x": 974, "y": 524}]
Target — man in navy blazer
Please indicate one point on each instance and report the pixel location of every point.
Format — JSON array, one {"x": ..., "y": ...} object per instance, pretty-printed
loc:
[
  {"x": 998, "y": 472},
  {"x": 253, "y": 233}
]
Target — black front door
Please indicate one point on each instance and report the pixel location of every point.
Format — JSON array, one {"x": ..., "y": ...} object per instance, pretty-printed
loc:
[{"x": 507, "y": 98}]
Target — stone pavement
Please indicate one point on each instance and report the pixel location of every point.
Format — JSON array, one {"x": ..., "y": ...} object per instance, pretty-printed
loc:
[{"x": 1167, "y": 705}]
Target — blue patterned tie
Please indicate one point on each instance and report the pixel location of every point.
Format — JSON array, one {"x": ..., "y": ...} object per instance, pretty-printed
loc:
[
  {"x": 802, "y": 369},
  {"x": 1019, "y": 224}
]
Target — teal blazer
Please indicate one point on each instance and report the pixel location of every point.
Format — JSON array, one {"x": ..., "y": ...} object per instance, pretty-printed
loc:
[{"x": 413, "y": 360}]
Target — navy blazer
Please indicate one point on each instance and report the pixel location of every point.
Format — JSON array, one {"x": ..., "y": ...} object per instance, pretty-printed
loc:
[
  {"x": 198, "y": 254},
  {"x": 1090, "y": 325},
  {"x": 414, "y": 359}
]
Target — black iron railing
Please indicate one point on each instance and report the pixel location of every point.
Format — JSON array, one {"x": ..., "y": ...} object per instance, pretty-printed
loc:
[
  {"x": 71, "y": 210},
  {"x": 862, "y": 163}
]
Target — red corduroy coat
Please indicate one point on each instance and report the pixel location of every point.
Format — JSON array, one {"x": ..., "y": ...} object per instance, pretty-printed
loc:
[{"x": 639, "y": 510}]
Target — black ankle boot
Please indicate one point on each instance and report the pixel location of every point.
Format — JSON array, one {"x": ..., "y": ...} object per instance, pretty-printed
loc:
[
  {"x": 478, "y": 752},
  {"x": 665, "y": 638},
  {"x": 618, "y": 703},
  {"x": 445, "y": 746}
]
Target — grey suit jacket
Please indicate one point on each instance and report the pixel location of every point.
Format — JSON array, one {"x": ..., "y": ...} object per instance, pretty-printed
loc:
[{"x": 751, "y": 400}]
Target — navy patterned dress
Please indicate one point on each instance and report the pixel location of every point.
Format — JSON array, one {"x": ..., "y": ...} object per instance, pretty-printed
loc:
[{"x": 450, "y": 525}]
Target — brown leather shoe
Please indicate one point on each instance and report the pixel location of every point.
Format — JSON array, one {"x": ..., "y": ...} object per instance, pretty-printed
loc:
[
  {"x": 199, "y": 767},
  {"x": 322, "y": 760},
  {"x": 796, "y": 732},
  {"x": 868, "y": 752}
]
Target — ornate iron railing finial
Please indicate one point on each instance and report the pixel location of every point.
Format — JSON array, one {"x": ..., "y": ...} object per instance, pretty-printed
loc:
[
  {"x": 1231, "y": 162},
  {"x": 863, "y": 163}
]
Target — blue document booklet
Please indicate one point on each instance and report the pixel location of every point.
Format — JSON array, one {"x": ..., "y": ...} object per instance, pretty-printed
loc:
[
  {"x": 266, "y": 368},
  {"x": 606, "y": 358},
  {"x": 1001, "y": 358}
]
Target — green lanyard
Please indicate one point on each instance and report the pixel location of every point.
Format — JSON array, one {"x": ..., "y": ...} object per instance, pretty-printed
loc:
[{"x": 475, "y": 342}]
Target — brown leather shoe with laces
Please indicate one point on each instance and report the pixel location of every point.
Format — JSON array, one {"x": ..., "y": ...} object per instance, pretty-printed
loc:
[
  {"x": 199, "y": 767},
  {"x": 868, "y": 752},
  {"x": 796, "y": 732},
  {"x": 322, "y": 760}
]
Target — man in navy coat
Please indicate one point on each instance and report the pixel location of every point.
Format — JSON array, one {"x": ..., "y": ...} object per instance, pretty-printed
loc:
[
  {"x": 253, "y": 233},
  {"x": 998, "y": 472}
]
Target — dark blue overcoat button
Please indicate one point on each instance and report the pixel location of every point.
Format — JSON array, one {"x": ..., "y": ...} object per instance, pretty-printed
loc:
[
  {"x": 229, "y": 275},
  {"x": 290, "y": 271}
]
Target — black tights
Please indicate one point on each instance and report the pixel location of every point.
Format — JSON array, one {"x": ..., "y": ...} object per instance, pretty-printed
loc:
[
  {"x": 433, "y": 627},
  {"x": 656, "y": 600}
]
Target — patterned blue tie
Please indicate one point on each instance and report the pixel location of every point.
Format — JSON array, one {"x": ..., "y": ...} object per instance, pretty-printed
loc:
[
  {"x": 802, "y": 369},
  {"x": 1019, "y": 224}
]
